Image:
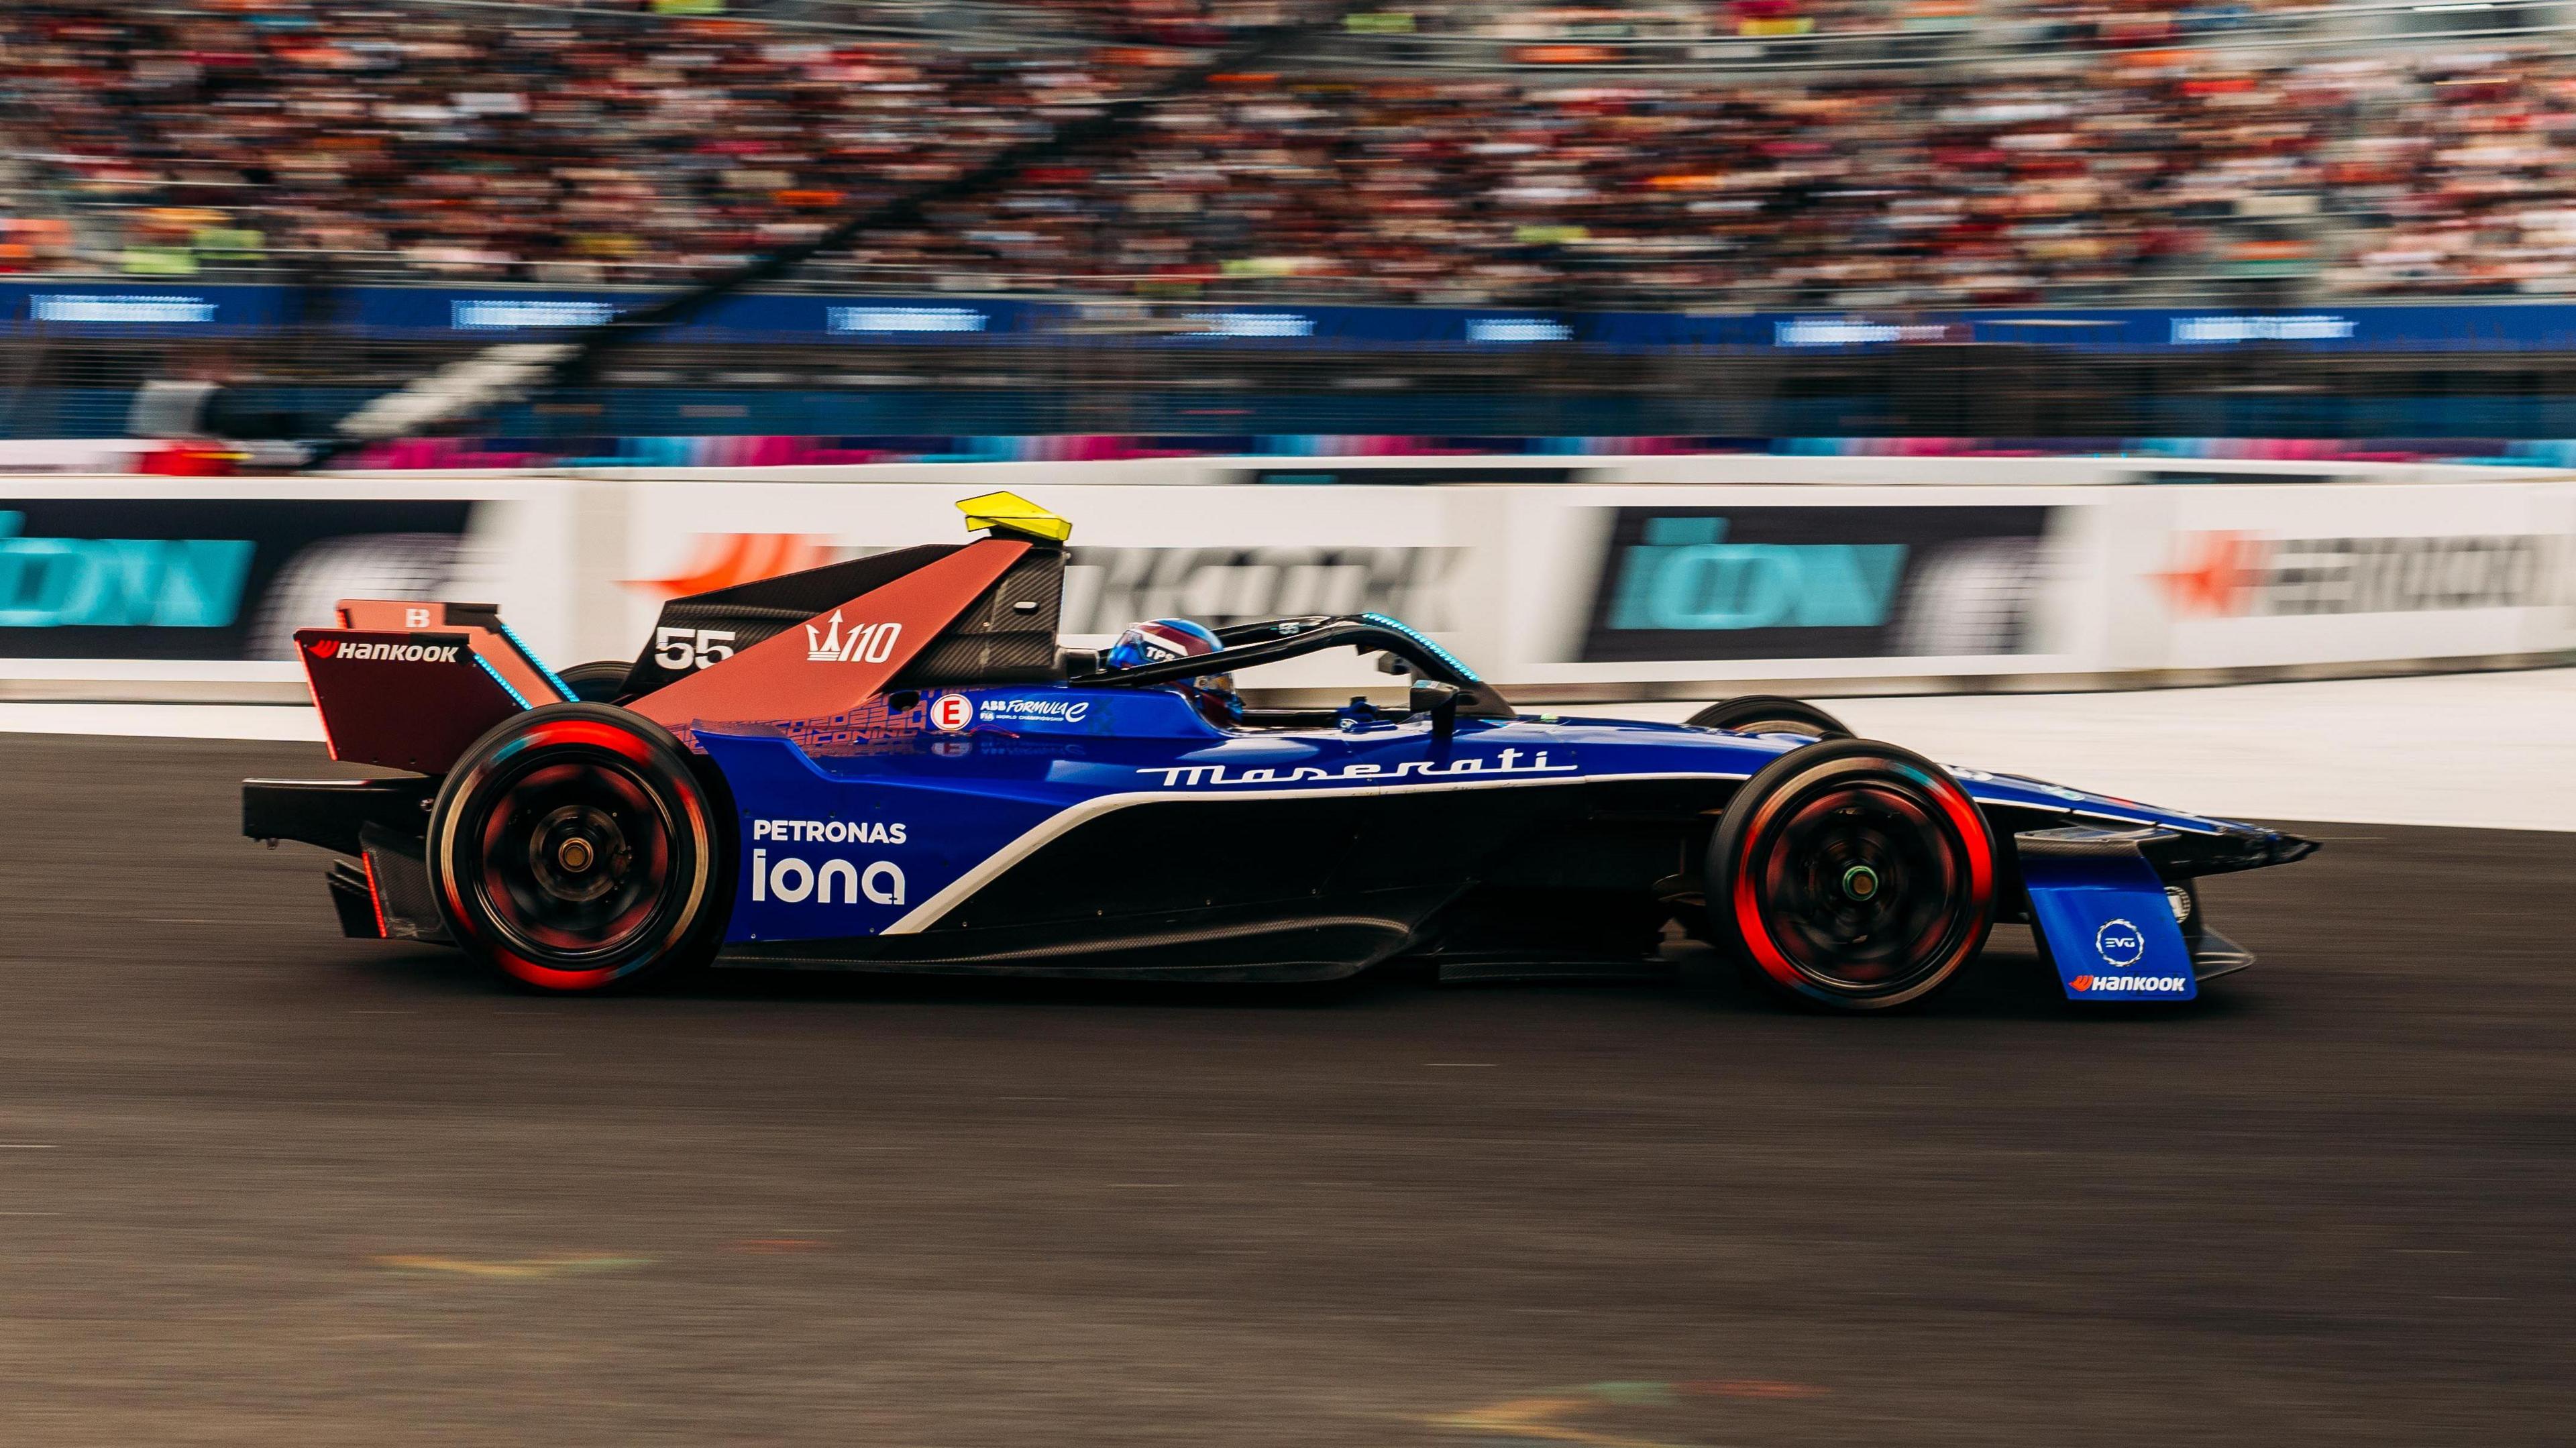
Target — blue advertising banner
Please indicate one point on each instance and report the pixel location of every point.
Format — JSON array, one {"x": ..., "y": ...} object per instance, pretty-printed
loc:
[{"x": 95, "y": 308}]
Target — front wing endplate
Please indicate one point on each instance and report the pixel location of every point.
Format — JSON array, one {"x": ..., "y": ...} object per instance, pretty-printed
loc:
[{"x": 2101, "y": 916}]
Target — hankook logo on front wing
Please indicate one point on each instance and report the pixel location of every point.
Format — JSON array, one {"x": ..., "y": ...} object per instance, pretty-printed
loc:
[{"x": 2130, "y": 984}]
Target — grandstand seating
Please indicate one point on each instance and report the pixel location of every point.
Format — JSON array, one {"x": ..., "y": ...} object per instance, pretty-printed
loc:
[{"x": 577, "y": 144}]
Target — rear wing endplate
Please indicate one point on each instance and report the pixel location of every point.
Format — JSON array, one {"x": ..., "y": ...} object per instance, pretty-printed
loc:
[{"x": 413, "y": 685}]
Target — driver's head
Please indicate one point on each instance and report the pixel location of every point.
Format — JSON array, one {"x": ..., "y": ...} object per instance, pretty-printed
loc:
[
  {"x": 1160, "y": 640},
  {"x": 1176, "y": 638}
]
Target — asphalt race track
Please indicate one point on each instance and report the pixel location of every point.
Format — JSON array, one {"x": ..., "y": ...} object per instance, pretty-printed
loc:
[{"x": 262, "y": 1185}]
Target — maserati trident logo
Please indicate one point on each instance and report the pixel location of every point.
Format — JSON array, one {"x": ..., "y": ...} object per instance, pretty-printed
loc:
[{"x": 869, "y": 643}]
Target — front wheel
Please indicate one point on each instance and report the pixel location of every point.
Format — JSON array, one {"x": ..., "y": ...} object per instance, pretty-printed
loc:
[
  {"x": 602, "y": 681},
  {"x": 1769, "y": 714},
  {"x": 576, "y": 849},
  {"x": 1852, "y": 875}
]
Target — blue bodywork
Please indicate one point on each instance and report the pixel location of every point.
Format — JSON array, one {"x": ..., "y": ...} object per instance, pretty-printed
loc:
[{"x": 884, "y": 823}]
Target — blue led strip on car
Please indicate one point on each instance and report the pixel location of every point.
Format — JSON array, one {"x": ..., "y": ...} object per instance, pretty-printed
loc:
[
  {"x": 495, "y": 675},
  {"x": 1437, "y": 652},
  {"x": 530, "y": 655}
]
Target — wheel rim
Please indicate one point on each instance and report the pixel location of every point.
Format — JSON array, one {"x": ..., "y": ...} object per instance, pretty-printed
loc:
[
  {"x": 575, "y": 858},
  {"x": 1862, "y": 887}
]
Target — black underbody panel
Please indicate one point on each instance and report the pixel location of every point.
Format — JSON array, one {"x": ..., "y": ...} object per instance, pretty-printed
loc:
[
  {"x": 331, "y": 812},
  {"x": 1311, "y": 889}
]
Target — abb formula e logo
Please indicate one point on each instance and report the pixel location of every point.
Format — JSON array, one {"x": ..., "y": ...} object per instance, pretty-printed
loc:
[
  {"x": 354, "y": 651},
  {"x": 795, "y": 881},
  {"x": 1062, "y": 711},
  {"x": 869, "y": 643}
]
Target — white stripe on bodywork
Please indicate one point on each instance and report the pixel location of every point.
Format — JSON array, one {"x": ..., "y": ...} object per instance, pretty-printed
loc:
[{"x": 922, "y": 916}]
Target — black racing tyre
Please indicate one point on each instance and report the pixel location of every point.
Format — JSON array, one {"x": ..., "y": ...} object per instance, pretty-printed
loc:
[
  {"x": 576, "y": 849},
  {"x": 1852, "y": 875},
  {"x": 602, "y": 681},
  {"x": 1769, "y": 714}
]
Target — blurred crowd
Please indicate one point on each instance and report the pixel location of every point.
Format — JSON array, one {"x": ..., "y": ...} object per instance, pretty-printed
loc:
[
  {"x": 516, "y": 142},
  {"x": 548, "y": 145},
  {"x": 2391, "y": 173}
]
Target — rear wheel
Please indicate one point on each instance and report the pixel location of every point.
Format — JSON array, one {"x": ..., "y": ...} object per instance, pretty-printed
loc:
[
  {"x": 1853, "y": 875},
  {"x": 602, "y": 681},
  {"x": 1769, "y": 714},
  {"x": 575, "y": 848}
]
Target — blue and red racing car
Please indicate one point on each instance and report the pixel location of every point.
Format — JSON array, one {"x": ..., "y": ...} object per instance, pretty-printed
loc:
[{"x": 890, "y": 763}]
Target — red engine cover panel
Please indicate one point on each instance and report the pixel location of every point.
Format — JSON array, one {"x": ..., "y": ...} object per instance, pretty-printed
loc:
[{"x": 837, "y": 659}]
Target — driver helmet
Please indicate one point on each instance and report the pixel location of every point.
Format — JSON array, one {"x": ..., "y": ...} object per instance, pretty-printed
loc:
[{"x": 1158, "y": 640}]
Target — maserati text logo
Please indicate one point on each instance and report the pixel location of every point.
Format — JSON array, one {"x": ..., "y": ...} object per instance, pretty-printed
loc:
[
  {"x": 1509, "y": 761},
  {"x": 869, "y": 643}
]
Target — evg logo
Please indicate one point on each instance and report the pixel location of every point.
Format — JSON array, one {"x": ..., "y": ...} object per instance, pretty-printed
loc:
[{"x": 2120, "y": 943}]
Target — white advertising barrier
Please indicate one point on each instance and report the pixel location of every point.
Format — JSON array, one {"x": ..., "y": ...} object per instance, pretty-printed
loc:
[
  {"x": 1614, "y": 589},
  {"x": 80, "y": 455},
  {"x": 1562, "y": 579},
  {"x": 2266, "y": 577},
  {"x": 142, "y": 587},
  {"x": 1679, "y": 589}
]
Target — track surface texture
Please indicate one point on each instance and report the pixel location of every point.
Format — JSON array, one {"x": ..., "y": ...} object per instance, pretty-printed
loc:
[{"x": 262, "y": 1185}]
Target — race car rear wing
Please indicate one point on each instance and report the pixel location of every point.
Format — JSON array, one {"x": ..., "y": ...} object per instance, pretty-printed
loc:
[{"x": 412, "y": 684}]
